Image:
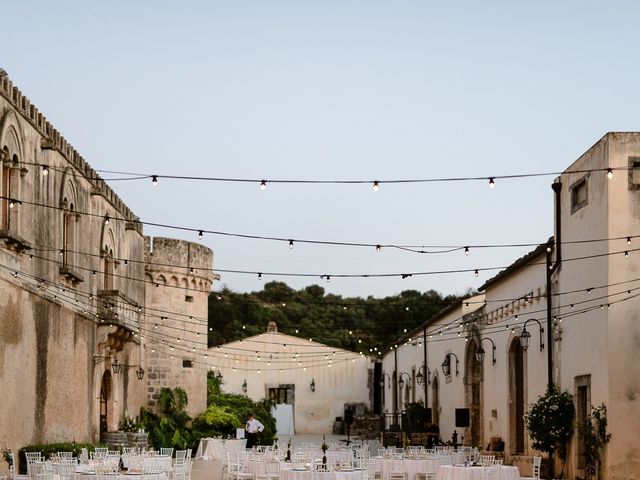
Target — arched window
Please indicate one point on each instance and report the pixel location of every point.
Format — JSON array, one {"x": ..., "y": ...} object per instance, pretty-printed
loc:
[
  {"x": 435, "y": 401},
  {"x": 9, "y": 192},
  {"x": 108, "y": 256},
  {"x": 107, "y": 268},
  {"x": 69, "y": 219},
  {"x": 517, "y": 406},
  {"x": 5, "y": 191},
  {"x": 11, "y": 154}
]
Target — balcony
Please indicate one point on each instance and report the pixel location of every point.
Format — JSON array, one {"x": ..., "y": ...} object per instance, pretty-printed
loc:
[{"x": 114, "y": 307}]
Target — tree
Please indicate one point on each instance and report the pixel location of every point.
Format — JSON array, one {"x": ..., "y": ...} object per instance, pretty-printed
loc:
[{"x": 549, "y": 422}]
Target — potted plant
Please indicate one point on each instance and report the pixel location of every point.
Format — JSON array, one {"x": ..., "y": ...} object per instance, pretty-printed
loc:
[{"x": 549, "y": 422}]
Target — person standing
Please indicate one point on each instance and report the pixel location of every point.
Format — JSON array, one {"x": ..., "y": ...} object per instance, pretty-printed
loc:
[{"x": 252, "y": 429}]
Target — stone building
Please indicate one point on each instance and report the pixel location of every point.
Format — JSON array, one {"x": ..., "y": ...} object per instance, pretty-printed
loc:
[
  {"x": 82, "y": 289},
  {"x": 576, "y": 298},
  {"x": 310, "y": 382}
]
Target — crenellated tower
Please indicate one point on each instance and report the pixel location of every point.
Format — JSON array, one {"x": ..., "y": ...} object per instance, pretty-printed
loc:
[{"x": 179, "y": 277}]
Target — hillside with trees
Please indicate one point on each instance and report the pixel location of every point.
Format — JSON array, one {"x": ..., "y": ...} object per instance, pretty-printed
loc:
[{"x": 363, "y": 325}]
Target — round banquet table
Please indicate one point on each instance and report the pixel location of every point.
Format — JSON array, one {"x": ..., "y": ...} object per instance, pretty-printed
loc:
[
  {"x": 449, "y": 472},
  {"x": 299, "y": 474},
  {"x": 410, "y": 465}
]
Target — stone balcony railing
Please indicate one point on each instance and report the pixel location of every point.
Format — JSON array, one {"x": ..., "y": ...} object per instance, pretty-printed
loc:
[{"x": 114, "y": 307}]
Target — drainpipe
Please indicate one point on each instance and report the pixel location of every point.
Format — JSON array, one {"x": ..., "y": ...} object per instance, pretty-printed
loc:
[
  {"x": 395, "y": 384},
  {"x": 426, "y": 369},
  {"x": 550, "y": 270}
]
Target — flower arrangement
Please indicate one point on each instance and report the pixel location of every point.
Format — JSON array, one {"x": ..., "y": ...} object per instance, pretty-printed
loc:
[
  {"x": 6, "y": 454},
  {"x": 128, "y": 424}
]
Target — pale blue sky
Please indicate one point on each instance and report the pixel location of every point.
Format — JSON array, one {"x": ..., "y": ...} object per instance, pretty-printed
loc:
[{"x": 334, "y": 90}]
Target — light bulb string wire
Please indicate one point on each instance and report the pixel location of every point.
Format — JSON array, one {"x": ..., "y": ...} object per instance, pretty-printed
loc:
[
  {"x": 489, "y": 327},
  {"x": 402, "y": 275},
  {"x": 262, "y": 303},
  {"x": 421, "y": 249},
  {"x": 70, "y": 295},
  {"x": 128, "y": 176},
  {"x": 399, "y": 305}
]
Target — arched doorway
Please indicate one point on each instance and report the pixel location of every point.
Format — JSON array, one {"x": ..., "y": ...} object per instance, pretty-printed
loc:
[
  {"x": 435, "y": 401},
  {"x": 473, "y": 393},
  {"x": 105, "y": 398},
  {"x": 517, "y": 398}
]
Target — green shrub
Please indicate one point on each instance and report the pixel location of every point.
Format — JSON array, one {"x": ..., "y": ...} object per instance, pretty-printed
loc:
[{"x": 228, "y": 411}]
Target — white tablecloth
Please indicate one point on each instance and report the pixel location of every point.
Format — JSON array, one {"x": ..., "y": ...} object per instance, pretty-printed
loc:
[
  {"x": 85, "y": 476},
  {"x": 296, "y": 474},
  {"x": 215, "y": 448},
  {"x": 448, "y": 472},
  {"x": 409, "y": 465}
]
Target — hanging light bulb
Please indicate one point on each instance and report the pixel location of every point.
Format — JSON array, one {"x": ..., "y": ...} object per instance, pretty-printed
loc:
[
  {"x": 609, "y": 173},
  {"x": 628, "y": 240},
  {"x": 626, "y": 254},
  {"x": 492, "y": 182},
  {"x": 476, "y": 273},
  {"x": 290, "y": 244},
  {"x": 154, "y": 180},
  {"x": 259, "y": 276},
  {"x": 106, "y": 219},
  {"x": 200, "y": 234},
  {"x": 45, "y": 170},
  {"x": 263, "y": 185},
  {"x": 466, "y": 250},
  {"x": 376, "y": 185},
  {"x": 378, "y": 248}
]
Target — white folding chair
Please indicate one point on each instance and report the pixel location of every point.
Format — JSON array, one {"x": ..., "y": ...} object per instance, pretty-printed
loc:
[
  {"x": 32, "y": 457},
  {"x": 487, "y": 459},
  {"x": 537, "y": 462},
  {"x": 235, "y": 469}
]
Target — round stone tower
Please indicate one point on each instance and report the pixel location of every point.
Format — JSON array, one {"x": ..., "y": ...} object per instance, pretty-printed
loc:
[{"x": 179, "y": 277}]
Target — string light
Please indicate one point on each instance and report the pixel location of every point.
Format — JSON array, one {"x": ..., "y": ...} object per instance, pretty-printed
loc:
[
  {"x": 263, "y": 185},
  {"x": 466, "y": 250},
  {"x": 628, "y": 240},
  {"x": 259, "y": 276},
  {"x": 376, "y": 185},
  {"x": 154, "y": 180},
  {"x": 45, "y": 170},
  {"x": 609, "y": 173},
  {"x": 290, "y": 244},
  {"x": 476, "y": 273},
  {"x": 200, "y": 234},
  {"x": 626, "y": 254},
  {"x": 378, "y": 248},
  {"x": 492, "y": 182},
  {"x": 106, "y": 219}
]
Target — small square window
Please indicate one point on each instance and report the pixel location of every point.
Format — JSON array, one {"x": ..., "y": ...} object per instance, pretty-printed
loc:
[
  {"x": 579, "y": 194},
  {"x": 188, "y": 298},
  {"x": 187, "y": 363},
  {"x": 634, "y": 173}
]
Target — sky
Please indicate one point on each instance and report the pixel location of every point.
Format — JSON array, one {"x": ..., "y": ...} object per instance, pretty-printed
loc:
[{"x": 334, "y": 90}]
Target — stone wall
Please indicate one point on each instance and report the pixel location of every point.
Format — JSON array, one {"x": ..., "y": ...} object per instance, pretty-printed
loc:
[
  {"x": 180, "y": 276},
  {"x": 75, "y": 294}
]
